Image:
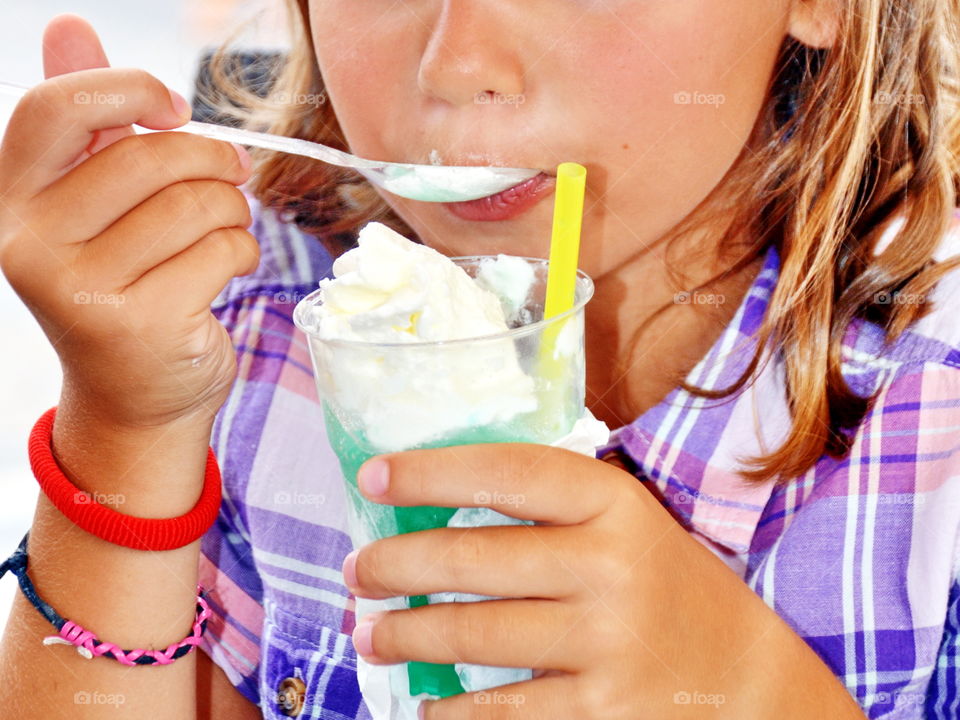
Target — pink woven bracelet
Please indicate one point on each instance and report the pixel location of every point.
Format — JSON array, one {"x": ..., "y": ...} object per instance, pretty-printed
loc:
[{"x": 90, "y": 646}]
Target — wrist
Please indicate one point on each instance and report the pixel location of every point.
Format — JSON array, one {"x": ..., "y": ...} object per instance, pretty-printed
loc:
[
  {"x": 148, "y": 471},
  {"x": 80, "y": 408}
]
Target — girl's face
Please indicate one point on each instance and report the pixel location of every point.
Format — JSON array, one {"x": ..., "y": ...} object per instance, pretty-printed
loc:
[{"x": 656, "y": 99}]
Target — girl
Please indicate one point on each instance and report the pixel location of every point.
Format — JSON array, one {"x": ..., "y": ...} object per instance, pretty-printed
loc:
[{"x": 770, "y": 223}]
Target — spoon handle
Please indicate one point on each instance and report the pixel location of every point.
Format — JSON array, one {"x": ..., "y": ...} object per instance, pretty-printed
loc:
[{"x": 267, "y": 141}]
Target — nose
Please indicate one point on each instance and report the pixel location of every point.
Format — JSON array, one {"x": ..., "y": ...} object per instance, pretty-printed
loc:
[{"x": 470, "y": 54}]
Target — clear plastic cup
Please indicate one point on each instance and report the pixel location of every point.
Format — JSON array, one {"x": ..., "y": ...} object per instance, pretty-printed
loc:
[{"x": 523, "y": 385}]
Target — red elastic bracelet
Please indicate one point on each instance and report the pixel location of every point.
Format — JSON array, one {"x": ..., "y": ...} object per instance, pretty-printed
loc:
[{"x": 108, "y": 524}]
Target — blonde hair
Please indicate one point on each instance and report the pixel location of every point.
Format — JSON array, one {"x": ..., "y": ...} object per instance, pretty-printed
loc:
[{"x": 850, "y": 138}]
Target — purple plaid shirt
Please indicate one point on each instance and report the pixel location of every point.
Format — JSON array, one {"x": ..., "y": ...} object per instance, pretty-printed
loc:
[{"x": 860, "y": 555}]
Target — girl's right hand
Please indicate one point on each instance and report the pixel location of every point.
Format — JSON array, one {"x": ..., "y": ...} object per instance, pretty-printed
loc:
[{"x": 118, "y": 243}]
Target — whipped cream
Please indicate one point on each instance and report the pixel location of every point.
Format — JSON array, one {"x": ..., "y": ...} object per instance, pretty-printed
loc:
[{"x": 392, "y": 290}]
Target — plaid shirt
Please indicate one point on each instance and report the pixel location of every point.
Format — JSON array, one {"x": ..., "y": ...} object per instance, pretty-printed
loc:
[{"x": 859, "y": 555}]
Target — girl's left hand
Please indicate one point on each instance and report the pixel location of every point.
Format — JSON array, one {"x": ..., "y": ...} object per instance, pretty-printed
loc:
[{"x": 621, "y": 612}]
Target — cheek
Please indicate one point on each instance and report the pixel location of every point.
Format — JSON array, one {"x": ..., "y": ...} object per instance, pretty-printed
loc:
[
  {"x": 672, "y": 92},
  {"x": 369, "y": 62},
  {"x": 686, "y": 53}
]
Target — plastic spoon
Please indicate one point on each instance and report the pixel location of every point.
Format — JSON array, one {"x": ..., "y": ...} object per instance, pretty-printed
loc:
[{"x": 427, "y": 183}]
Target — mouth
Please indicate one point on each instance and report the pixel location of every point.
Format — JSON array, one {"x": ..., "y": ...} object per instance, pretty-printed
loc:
[{"x": 506, "y": 204}]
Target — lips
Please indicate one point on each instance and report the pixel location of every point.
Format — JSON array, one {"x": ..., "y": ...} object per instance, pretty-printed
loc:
[{"x": 506, "y": 204}]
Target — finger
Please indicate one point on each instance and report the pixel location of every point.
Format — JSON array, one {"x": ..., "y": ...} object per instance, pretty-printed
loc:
[
  {"x": 130, "y": 171},
  {"x": 530, "y": 482},
  {"x": 516, "y": 562},
  {"x": 502, "y": 633},
  {"x": 69, "y": 44},
  {"x": 553, "y": 697},
  {"x": 164, "y": 225},
  {"x": 55, "y": 122},
  {"x": 199, "y": 273}
]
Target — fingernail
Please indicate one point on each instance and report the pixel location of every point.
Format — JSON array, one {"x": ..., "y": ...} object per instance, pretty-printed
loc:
[
  {"x": 243, "y": 155},
  {"x": 363, "y": 635},
  {"x": 180, "y": 106},
  {"x": 421, "y": 710},
  {"x": 350, "y": 569},
  {"x": 374, "y": 478}
]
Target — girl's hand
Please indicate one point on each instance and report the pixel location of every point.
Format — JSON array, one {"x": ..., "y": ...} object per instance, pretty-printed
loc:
[
  {"x": 118, "y": 243},
  {"x": 619, "y": 610}
]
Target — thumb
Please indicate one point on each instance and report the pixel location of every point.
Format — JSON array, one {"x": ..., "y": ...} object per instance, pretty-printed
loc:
[{"x": 70, "y": 44}]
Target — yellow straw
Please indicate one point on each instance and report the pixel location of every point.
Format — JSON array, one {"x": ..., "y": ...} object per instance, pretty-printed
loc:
[
  {"x": 561, "y": 289},
  {"x": 565, "y": 240}
]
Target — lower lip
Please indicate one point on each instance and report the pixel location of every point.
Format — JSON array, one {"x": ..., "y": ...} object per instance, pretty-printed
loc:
[{"x": 507, "y": 204}]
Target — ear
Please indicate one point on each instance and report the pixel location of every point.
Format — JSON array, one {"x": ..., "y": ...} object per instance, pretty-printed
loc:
[{"x": 814, "y": 23}]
